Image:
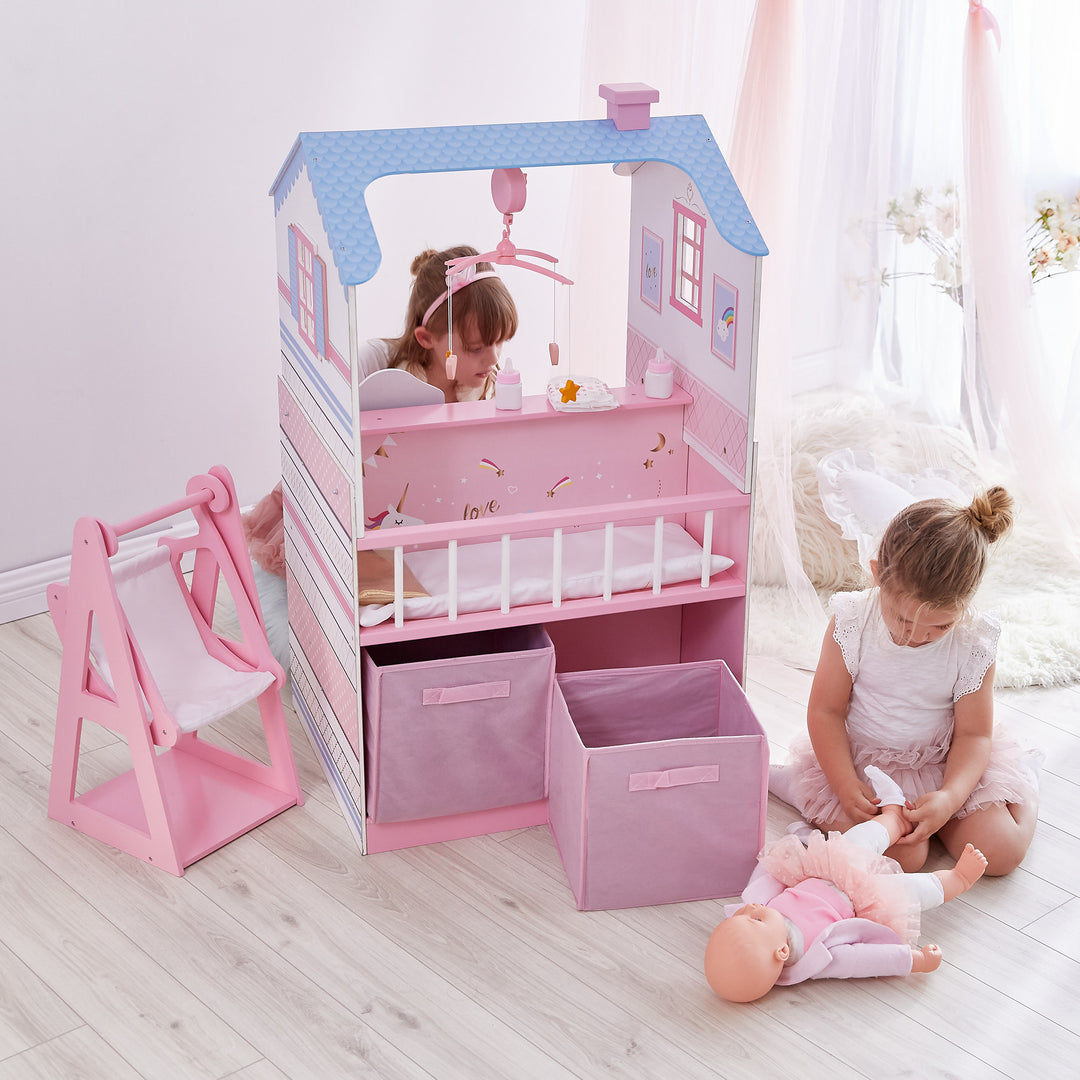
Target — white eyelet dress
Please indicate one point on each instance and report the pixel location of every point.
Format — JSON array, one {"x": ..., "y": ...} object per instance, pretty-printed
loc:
[{"x": 900, "y": 716}]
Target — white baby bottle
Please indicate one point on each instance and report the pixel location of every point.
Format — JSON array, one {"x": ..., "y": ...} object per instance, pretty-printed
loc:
[
  {"x": 508, "y": 387},
  {"x": 659, "y": 378}
]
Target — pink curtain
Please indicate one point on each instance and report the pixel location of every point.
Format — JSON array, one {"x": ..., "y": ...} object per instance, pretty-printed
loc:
[{"x": 764, "y": 159}]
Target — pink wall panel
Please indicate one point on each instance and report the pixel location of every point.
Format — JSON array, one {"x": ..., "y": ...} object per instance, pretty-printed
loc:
[
  {"x": 710, "y": 419},
  {"x": 331, "y": 481},
  {"x": 546, "y": 463},
  {"x": 335, "y": 683}
]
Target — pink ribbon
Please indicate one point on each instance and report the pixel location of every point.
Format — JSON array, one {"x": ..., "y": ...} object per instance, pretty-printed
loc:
[{"x": 986, "y": 17}]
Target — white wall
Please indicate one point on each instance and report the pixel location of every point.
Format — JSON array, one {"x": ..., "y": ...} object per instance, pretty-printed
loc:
[{"x": 139, "y": 317}]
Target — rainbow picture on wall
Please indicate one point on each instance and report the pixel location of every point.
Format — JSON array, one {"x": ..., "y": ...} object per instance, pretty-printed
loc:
[{"x": 725, "y": 308}]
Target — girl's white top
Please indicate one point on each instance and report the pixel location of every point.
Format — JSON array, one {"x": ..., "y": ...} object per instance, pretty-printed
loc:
[{"x": 902, "y": 696}]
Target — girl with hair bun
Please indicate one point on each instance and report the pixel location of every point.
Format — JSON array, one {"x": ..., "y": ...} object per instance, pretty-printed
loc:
[{"x": 905, "y": 683}]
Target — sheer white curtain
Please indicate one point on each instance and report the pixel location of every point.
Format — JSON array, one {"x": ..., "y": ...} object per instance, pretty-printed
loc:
[
  {"x": 881, "y": 90},
  {"x": 1008, "y": 363}
]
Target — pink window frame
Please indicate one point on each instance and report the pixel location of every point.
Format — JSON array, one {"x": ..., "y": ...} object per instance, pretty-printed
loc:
[{"x": 679, "y": 275}]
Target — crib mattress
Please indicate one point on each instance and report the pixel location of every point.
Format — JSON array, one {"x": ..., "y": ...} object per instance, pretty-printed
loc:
[{"x": 531, "y": 570}]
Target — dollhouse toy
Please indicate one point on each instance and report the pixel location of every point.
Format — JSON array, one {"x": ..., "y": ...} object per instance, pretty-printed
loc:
[{"x": 440, "y": 555}]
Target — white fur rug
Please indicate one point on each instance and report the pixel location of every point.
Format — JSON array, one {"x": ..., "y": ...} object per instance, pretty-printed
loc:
[{"x": 1033, "y": 590}]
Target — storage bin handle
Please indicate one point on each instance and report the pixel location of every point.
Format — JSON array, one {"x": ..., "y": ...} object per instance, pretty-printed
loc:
[
  {"x": 451, "y": 695},
  {"x": 692, "y": 774}
]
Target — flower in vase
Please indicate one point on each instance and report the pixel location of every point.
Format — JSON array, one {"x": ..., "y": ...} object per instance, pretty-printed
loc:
[
  {"x": 932, "y": 218},
  {"x": 947, "y": 271}
]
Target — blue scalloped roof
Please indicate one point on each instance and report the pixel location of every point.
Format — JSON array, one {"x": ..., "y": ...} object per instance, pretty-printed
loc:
[{"x": 341, "y": 164}]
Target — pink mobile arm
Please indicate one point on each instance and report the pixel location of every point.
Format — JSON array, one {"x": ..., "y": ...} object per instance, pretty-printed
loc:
[
  {"x": 508, "y": 194},
  {"x": 505, "y": 254}
]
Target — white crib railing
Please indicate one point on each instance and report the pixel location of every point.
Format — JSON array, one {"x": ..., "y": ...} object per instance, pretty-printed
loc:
[{"x": 553, "y": 523}]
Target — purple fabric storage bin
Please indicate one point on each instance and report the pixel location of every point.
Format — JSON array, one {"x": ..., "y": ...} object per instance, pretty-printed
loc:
[
  {"x": 457, "y": 724},
  {"x": 658, "y": 784}
]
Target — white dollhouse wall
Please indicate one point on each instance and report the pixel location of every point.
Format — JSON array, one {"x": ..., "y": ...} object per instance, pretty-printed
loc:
[
  {"x": 715, "y": 359},
  {"x": 712, "y": 353}
]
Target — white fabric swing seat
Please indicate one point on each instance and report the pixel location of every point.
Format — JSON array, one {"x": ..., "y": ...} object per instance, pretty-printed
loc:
[{"x": 196, "y": 687}]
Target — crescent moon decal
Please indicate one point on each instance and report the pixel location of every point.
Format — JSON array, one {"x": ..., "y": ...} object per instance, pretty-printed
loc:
[{"x": 660, "y": 445}]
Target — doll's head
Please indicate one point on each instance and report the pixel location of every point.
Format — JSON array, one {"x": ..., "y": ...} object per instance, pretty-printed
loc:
[
  {"x": 485, "y": 317},
  {"x": 932, "y": 559},
  {"x": 746, "y": 953}
]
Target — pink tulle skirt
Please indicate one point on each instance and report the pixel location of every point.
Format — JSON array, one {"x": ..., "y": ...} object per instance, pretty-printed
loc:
[
  {"x": 1009, "y": 777},
  {"x": 875, "y": 885},
  {"x": 264, "y": 528}
]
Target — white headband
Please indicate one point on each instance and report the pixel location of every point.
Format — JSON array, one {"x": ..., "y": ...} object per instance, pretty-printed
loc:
[{"x": 456, "y": 281}]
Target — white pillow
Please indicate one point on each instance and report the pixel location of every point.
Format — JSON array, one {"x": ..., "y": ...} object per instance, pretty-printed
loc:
[{"x": 862, "y": 498}]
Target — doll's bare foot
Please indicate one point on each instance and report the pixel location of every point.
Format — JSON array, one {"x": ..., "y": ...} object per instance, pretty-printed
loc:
[
  {"x": 971, "y": 865},
  {"x": 928, "y": 958},
  {"x": 968, "y": 869},
  {"x": 892, "y": 817}
]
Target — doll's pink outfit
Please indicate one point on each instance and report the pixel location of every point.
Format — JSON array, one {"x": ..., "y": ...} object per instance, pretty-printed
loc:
[
  {"x": 851, "y": 912},
  {"x": 900, "y": 716},
  {"x": 872, "y": 885}
]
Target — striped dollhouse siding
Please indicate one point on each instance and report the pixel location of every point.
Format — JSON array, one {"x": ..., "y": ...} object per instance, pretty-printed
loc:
[
  {"x": 339, "y": 762},
  {"x": 338, "y": 444}
]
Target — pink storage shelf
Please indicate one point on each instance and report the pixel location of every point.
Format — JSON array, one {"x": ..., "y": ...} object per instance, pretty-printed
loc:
[{"x": 723, "y": 586}]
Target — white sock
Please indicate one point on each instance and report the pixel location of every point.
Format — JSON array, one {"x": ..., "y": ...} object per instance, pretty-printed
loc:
[
  {"x": 928, "y": 888},
  {"x": 802, "y": 830},
  {"x": 1032, "y": 762},
  {"x": 871, "y": 835},
  {"x": 782, "y": 783},
  {"x": 885, "y": 788}
]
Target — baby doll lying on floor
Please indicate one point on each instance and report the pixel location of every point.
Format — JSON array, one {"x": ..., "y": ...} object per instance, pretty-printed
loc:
[{"x": 835, "y": 909}]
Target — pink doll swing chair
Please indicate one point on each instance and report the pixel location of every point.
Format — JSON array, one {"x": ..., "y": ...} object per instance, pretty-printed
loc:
[{"x": 141, "y": 658}]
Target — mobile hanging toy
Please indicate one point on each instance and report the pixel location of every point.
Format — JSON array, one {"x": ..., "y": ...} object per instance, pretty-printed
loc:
[{"x": 508, "y": 193}]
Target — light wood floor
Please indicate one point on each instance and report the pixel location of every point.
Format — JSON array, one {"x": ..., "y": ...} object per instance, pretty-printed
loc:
[{"x": 287, "y": 954}]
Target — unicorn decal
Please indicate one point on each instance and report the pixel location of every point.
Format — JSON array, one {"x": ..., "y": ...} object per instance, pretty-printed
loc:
[{"x": 394, "y": 517}]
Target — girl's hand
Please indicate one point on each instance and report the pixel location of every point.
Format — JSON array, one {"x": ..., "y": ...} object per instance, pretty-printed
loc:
[
  {"x": 928, "y": 958},
  {"x": 929, "y": 813},
  {"x": 858, "y": 802}
]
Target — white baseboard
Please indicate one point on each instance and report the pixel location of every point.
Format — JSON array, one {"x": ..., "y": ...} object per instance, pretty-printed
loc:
[{"x": 22, "y": 590}]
